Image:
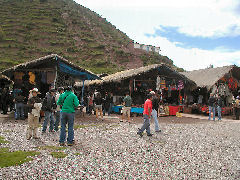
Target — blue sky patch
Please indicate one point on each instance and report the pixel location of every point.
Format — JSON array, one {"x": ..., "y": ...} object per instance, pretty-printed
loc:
[{"x": 206, "y": 43}]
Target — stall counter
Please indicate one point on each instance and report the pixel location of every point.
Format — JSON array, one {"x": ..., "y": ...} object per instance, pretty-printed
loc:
[{"x": 118, "y": 108}]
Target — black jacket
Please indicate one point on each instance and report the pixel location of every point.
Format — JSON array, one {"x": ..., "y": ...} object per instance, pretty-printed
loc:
[
  {"x": 98, "y": 101},
  {"x": 220, "y": 102},
  {"x": 155, "y": 103},
  {"x": 212, "y": 101},
  {"x": 49, "y": 103}
]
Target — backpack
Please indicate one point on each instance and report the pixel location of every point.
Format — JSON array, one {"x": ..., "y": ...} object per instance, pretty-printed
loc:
[{"x": 48, "y": 106}]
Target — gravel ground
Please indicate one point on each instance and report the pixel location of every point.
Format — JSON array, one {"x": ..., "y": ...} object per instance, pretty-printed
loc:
[{"x": 112, "y": 150}]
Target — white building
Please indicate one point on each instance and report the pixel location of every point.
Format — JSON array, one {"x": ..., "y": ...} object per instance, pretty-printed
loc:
[{"x": 147, "y": 48}]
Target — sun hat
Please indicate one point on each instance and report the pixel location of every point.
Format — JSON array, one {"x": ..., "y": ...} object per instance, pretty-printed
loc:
[
  {"x": 35, "y": 90},
  {"x": 152, "y": 92}
]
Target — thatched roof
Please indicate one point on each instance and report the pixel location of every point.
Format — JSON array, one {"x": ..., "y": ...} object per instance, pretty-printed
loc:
[
  {"x": 208, "y": 77},
  {"x": 49, "y": 59},
  {"x": 4, "y": 78},
  {"x": 119, "y": 76}
]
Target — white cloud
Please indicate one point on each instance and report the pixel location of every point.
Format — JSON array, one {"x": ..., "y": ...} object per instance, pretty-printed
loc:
[
  {"x": 206, "y": 18},
  {"x": 191, "y": 59}
]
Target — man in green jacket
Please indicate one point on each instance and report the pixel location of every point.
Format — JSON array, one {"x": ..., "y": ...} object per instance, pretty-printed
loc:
[{"x": 68, "y": 102}]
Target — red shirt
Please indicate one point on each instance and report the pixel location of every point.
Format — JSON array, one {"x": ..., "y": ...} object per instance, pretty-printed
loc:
[{"x": 147, "y": 105}]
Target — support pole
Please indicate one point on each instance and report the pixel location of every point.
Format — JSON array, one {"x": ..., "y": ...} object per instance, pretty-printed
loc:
[{"x": 82, "y": 93}]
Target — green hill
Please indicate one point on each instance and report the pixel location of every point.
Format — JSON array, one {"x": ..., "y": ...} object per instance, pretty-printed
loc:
[{"x": 31, "y": 29}]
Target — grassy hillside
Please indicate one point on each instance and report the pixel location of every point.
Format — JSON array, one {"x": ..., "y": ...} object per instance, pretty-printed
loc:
[{"x": 30, "y": 29}]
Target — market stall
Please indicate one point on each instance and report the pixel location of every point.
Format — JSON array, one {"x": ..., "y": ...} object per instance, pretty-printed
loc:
[
  {"x": 46, "y": 72},
  {"x": 168, "y": 83},
  {"x": 222, "y": 81}
]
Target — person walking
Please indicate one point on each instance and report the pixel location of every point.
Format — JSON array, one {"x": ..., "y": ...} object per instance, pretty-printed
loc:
[
  {"x": 98, "y": 101},
  {"x": 19, "y": 104},
  {"x": 48, "y": 106},
  {"x": 126, "y": 110},
  {"x": 237, "y": 107},
  {"x": 146, "y": 116},
  {"x": 219, "y": 107},
  {"x": 155, "y": 105},
  {"x": 108, "y": 103},
  {"x": 109, "y": 100},
  {"x": 34, "y": 105},
  {"x": 58, "y": 109},
  {"x": 90, "y": 104},
  {"x": 4, "y": 100},
  {"x": 211, "y": 106},
  {"x": 68, "y": 101}
]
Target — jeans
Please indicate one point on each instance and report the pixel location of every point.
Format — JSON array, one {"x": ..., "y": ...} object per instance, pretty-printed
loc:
[
  {"x": 146, "y": 124},
  {"x": 19, "y": 111},
  {"x": 110, "y": 109},
  {"x": 67, "y": 118},
  {"x": 211, "y": 109},
  {"x": 219, "y": 110},
  {"x": 58, "y": 118},
  {"x": 154, "y": 115},
  {"x": 48, "y": 115}
]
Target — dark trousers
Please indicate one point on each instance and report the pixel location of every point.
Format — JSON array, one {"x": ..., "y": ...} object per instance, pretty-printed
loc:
[
  {"x": 4, "y": 107},
  {"x": 237, "y": 112}
]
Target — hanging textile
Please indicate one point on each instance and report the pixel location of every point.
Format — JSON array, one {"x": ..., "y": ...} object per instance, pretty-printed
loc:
[
  {"x": 134, "y": 85},
  {"x": 18, "y": 75},
  {"x": 158, "y": 83},
  {"x": 31, "y": 78},
  {"x": 50, "y": 77},
  {"x": 162, "y": 83},
  {"x": 180, "y": 85},
  {"x": 214, "y": 89},
  {"x": 44, "y": 77},
  {"x": 222, "y": 90},
  {"x": 232, "y": 84}
]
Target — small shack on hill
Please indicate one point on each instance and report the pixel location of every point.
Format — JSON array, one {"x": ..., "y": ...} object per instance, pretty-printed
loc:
[
  {"x": 158, "y": 77},
  {"x": 46, "y": 72}
]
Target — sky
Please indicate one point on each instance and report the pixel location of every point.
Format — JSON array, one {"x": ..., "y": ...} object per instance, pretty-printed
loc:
[{"x": 193, "y": 33}]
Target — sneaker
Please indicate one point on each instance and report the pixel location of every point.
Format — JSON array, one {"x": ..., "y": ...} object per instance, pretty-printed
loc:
[
  {"x": 149, "y": 134},
  {"x": 140, "y": 133},
  {"x": 158, "y": 130},
  {"x": 61, "y": 144},
  {"x": 36, "y": 137},
  {"x": 70, "y": 144}
]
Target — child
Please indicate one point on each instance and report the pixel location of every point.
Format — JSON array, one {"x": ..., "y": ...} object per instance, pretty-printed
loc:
[{"x": 34, "y": 105}]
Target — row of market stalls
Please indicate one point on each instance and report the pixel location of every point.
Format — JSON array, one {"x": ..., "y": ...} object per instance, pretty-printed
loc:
[
  {"x": 170, "y": 85},
  {"x": 186, "y": 91},
  {"x": 221, "y": 81}
]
